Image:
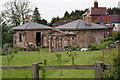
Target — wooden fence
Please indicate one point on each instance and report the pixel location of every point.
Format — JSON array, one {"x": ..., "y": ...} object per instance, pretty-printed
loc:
[{"x": 98, "y": 67}]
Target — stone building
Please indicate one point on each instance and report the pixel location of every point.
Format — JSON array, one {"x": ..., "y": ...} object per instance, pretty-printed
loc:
[
  {"x": 31, "y": 33},
  {"x": 80, "y": 33}
]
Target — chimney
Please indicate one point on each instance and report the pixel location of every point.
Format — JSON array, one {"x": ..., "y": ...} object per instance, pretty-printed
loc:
[
  {"x": 96, "y": 4},
  {"x": 26, "y": 19},
  {"x": 88, "y": 19},
  {"x": 107, "y": 18}
]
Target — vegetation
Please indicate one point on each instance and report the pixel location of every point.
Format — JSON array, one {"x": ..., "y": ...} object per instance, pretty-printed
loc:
[
  {"x": 116, "y": 35},
  {"x": 37, "y": 18},
  {"x": 27, "y": 58},
  {"x": 114, "y": 10},
  {"x": 112, "y": 57},
  {"x": 103, "y": 45},
  {"x": 15, "y": 11}
]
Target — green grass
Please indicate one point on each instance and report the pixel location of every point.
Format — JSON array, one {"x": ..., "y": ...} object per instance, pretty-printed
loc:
[{"x": 27, "y": 58}]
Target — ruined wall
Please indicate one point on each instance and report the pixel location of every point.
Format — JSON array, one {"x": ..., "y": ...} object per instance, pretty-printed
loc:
[
  {"x": 83, "y": 38},
  {"x": 30, "y": 36}
]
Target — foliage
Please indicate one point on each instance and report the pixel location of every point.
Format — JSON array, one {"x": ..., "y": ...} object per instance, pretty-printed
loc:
[
  {"x": 112, "y": 57},
  {"x": 74, "y": 47},
  {"x": 74, "y": 15},
  {"x": 104, "y": 43},
  {"x": 59, "y": 61},
  {"x": 36, "y": 15},
  {"x": 67, "y": 14},
  {"x": 108, "y": 39},
  {"x": 7, "y": 50},
  {"x": 59, "y": 58},
  {"x": 54, "y": 19},
  {"x": 43, "y": 71},
  {"x": 15, "y": 11},
  {"x": 7, "y": 36},
  {"x": 116, "y": 35},
  {"x": 43, "y": 21},
  {"x": 114, "y": 10},
  {"x": 93, "y": 47}
]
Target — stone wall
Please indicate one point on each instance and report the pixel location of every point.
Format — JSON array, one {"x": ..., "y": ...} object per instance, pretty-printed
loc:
[
  {"x": 83, "y": 38},
  {"x": 30, "y": 36}
]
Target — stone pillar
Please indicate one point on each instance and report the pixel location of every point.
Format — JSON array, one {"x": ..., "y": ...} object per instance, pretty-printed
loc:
[
  {"x": 55, "y": 44},
  {"x": 50, "y": 44},
  {"x": 60, "y": 43}
]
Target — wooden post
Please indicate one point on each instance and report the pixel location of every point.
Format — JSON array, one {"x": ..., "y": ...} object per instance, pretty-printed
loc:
[
  {"x": 35, "y": 71},
  {"x": 98, "y": 69}
]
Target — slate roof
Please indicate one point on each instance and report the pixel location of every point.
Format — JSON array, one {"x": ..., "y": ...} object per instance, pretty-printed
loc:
[
  {"x": 99, "y": 11},
  {"x": 61, "y": 22},
  {"x": 31, "y": 26},
  {"x": 80, "y": 25}
]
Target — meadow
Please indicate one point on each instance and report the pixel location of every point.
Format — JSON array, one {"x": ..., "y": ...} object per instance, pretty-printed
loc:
[{"x": 26, "y": 58}]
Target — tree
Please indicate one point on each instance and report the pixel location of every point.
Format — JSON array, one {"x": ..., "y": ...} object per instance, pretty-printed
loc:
[
  {"x": 66, "y": 14},
  {"x": 43, "y": 21},
  {"x": 7, "y": 36},
  {"x": 15, "y": 11},
  {"x": 54, "y": 19},
  {"x": 114, "y": 10},
  {"x": 36, "y": 15}
]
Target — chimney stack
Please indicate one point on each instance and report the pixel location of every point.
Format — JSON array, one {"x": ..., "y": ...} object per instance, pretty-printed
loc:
[
  {"x": 88, "y": 19},
  {"x": 96, "y": 4},
  {"x": 26, "y": 19}
]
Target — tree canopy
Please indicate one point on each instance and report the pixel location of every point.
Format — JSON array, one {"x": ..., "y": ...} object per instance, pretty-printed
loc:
[{"x": 15, "y": 11}]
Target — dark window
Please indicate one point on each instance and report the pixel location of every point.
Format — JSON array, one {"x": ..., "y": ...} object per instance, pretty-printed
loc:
[{"x": 20, "y": 37}]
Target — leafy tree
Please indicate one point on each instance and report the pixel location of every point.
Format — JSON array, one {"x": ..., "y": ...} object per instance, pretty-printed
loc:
[
  {"x": 36, "y": 15},
  {"x": 66, "y": 14},
  {"x": 114, "y": 10},
  {"x": 43, "y": 21},
  {"x": 54, "y": 19},
  {"x": 7, "y": 36},
  {"x": 15, "y": 11}
]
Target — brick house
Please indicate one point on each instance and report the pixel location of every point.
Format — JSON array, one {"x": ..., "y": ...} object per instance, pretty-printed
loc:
[
  {"x": 31, "y": 33},
  {"x": 101, "y": 16},
  {"x": 80, "y": 32}
]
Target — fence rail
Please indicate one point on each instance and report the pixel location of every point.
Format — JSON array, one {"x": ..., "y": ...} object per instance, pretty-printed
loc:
[{"x": 97, "y": 67}]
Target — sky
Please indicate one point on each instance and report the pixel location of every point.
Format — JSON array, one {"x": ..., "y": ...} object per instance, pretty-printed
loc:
[{"x": 54, "y": 8}]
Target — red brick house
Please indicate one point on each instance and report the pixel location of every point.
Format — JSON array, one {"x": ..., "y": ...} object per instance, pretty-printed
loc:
[
  {"x": 101, "y": 16},
  {"x": 31, "y": 33}
]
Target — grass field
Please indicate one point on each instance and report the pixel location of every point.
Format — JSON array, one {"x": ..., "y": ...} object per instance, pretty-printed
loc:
[{"x": 27, "y": 58}]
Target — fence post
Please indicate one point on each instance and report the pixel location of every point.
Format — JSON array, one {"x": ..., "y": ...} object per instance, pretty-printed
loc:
[
  {"x": 98, "y": 69},
  {"x": 35, "y": 71}
]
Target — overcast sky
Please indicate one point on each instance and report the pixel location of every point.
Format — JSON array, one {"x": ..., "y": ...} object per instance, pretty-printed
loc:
[{"x": 53, "y": 8}]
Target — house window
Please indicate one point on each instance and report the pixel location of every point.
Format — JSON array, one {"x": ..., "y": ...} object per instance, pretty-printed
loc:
[{"x": 20, "y": 37}]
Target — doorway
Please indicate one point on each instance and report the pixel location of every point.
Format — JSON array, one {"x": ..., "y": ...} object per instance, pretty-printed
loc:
[{"x": 38, "y": 38}]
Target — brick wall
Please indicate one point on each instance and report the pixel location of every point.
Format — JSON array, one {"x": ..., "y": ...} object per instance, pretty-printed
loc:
[
  {"x": 30, "y": 36},
  {"x": 83, "y": 38}
]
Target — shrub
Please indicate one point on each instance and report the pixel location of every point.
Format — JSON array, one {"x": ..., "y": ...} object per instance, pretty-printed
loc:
[
  {"x": 112, "y": 57},
  {"x": 93, "y": 47},
  {"x": 116, "y": 35},
  {"x": 108, "y": 39},
  {"x": 74, "y": 47}
]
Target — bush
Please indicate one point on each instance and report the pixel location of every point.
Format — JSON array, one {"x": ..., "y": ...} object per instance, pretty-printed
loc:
[
  {"x": 93, "y": 47},
  {"x": 108, "y": 39},
  {"x": 116, "y": 35},
  {"x": 74, "y": 47}
]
